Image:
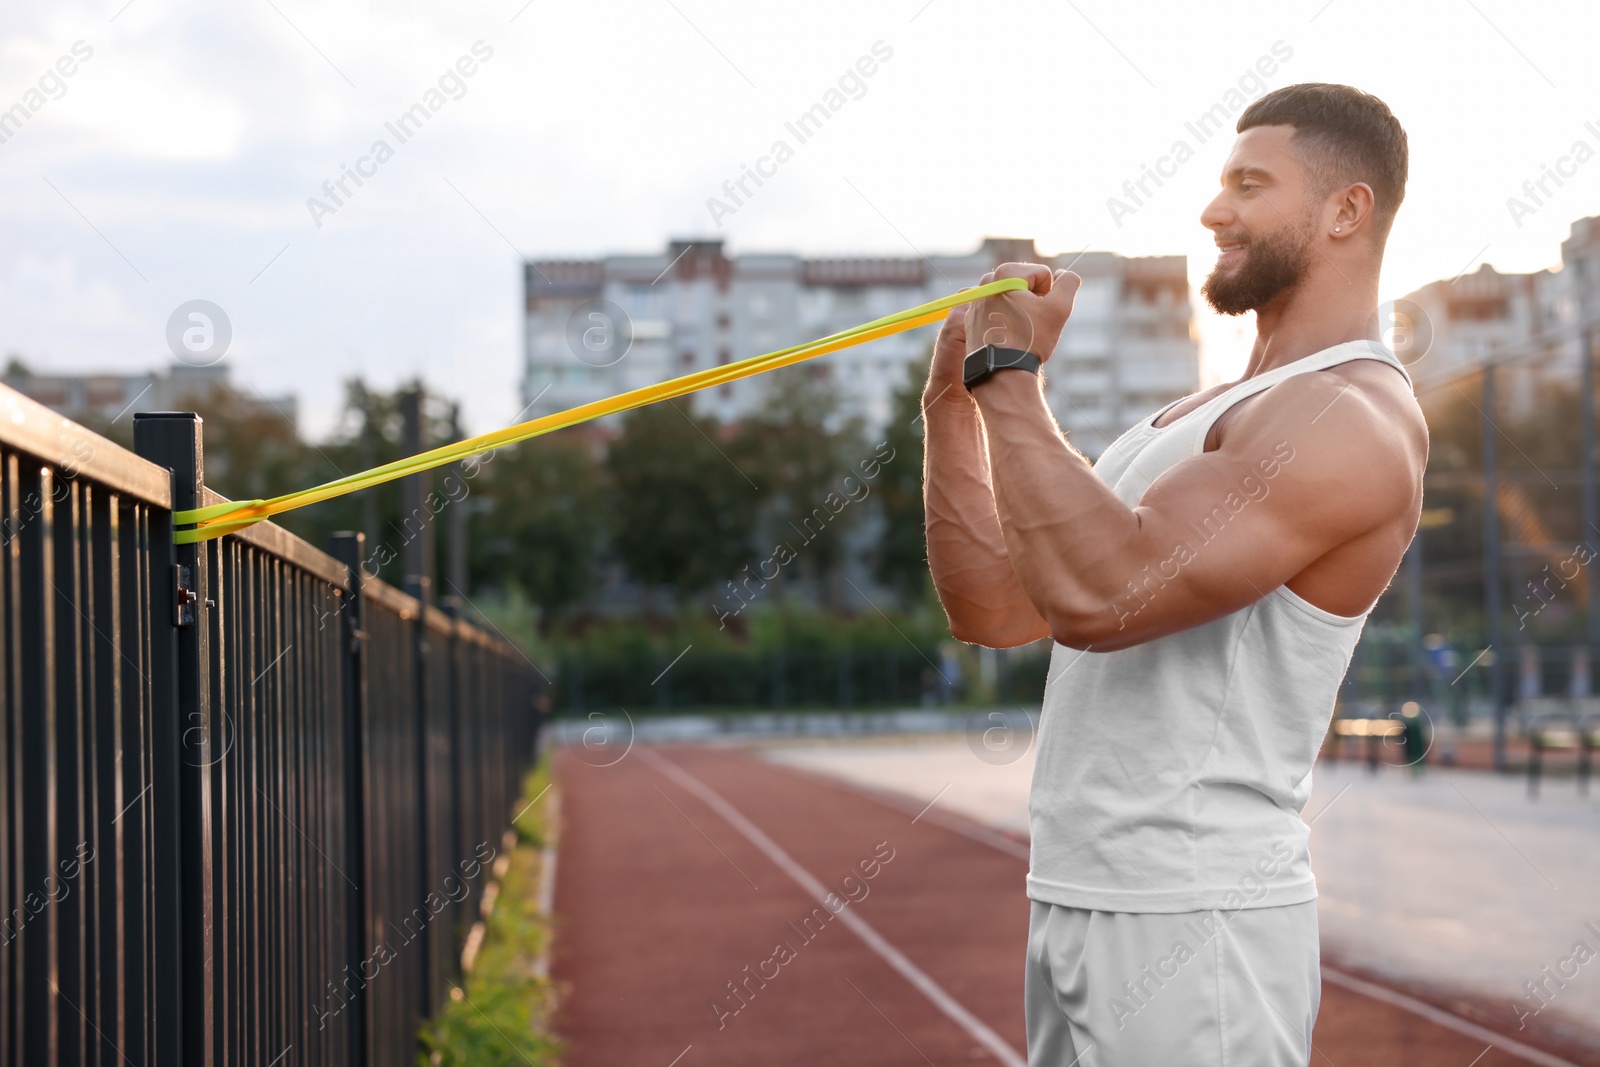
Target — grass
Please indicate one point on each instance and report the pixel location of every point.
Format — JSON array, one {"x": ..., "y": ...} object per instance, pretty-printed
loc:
[{"x": 501, "y": 1014}]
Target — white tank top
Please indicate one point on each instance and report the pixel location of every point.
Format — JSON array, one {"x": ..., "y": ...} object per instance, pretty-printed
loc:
[{"x": 1170, "y": 776}]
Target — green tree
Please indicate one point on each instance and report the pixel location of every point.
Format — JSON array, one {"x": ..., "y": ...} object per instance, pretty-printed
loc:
[
  {"x": 1538, "y": 510},
  {"x": 803, "y": 451},
  {"x": 684, "y": 512},
  {"x": 901, "y": 561},
  {"x": 251, "y": 449},
  {"x": 370, "y": 432},
  {"x": 539, "y": 520}
]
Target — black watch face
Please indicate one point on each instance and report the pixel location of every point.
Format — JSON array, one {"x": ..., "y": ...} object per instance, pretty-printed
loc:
[{"x": 976, "y": 368}]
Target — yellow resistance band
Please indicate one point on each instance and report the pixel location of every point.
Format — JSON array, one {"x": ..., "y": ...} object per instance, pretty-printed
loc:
[{"x": 219, "y": 519}]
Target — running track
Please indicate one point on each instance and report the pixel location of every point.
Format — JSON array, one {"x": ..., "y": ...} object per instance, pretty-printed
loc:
[{"x": 681, "y": 866}]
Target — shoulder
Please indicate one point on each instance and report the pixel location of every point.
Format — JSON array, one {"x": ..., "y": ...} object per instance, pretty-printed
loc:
[
  {"x": 1382, "y": 408},
  {"x": 1365, "y": 398},
  {"x": 1357, "y": 434}
]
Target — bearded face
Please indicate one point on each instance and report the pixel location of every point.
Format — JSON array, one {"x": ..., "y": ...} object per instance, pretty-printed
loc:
[{"x": 1253, "y": 269}]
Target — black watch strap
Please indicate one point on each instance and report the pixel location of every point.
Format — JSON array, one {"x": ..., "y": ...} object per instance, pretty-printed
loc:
[{"x": 985, "y": 361}]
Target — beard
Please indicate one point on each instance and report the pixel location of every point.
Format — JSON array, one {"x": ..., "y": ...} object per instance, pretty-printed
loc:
[{"x": 1272, "y": 265}]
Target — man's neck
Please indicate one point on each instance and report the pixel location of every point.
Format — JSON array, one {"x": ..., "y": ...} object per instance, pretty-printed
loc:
[{"x": 1314, "y": 316}]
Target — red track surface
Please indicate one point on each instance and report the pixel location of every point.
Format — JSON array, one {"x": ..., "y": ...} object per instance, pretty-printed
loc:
[{"x": 662, "y": 901}]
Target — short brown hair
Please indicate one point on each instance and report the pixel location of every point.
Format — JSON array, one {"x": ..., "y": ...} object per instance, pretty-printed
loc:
[{"x": 1343, "y": 136}]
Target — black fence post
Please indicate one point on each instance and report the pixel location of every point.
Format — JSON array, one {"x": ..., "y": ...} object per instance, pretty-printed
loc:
[
  {"x": 181, "y": 664},
  {"x": 349, "y": 549},
  {"x": 38, "y": 1022},
  {"x": 423, "y": 741},
  {"x": 455, "y": 606}
]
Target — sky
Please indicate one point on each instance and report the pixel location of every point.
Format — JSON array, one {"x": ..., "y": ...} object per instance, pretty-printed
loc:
[{"x": 179, "y": 159}]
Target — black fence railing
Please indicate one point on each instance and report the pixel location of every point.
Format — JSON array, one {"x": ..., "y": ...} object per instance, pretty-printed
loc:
[
  {"x": 1391, "y": 665},
  {"x": 249, "y": 800}
]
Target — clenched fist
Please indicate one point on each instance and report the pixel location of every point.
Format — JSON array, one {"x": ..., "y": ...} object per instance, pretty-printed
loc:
[{"x": 1030, "y": 319}]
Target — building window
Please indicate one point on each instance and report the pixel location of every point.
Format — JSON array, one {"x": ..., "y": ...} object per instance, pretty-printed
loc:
[
  {"x": 686, "y": 360},
  {"x": 645, "y": 299},
  {"x": 1094, "y": 298},
  {"x": 1480, "y": 310}
]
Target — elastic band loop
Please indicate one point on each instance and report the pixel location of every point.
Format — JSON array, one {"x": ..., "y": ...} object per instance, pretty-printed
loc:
[{"x": 218, "y": 519}]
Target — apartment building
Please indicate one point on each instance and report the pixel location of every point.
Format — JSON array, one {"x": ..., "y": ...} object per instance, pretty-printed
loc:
[{"x": 596, "y": 327}]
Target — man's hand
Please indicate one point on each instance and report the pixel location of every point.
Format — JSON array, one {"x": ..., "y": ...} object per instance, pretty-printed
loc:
[
  {"x": 949, "y": 353},
  {"x": 1030, "y": 319}
]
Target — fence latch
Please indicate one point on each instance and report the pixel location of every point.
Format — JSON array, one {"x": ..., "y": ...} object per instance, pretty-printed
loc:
[{"x": 184, "y": 597}]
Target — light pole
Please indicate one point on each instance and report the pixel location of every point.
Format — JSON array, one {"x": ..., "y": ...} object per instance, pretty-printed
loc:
[
  {"x": 415, "y": 490},
  {"x": 1413, "y": 580},
  {"x": 1491, "y": 562},
  {"x": 1591, "y": 499}
]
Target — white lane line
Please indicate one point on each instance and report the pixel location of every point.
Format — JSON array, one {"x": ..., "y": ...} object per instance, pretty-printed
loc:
[
  {"x": 934, "y": 801},
  {"x": 947, "y": 1004},
  {"x": 1443, "y": 1018}
]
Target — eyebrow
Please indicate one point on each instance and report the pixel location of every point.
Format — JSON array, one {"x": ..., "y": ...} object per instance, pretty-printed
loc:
[{"x": 1252, "y": 171}]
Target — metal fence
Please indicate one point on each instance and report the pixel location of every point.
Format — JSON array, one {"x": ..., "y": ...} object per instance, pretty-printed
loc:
[{"x": 249, "y": 800}]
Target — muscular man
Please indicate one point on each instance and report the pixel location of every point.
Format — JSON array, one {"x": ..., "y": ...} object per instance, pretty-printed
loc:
[{"x": 1204, "y": 583}]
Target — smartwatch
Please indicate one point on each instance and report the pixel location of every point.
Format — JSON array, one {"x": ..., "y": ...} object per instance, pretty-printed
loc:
[{"x": 980, "y": 365}]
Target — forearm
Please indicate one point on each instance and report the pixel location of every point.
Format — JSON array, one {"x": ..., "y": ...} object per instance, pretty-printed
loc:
[
  {"x": 1068, "y": 537},
  {"x": 967, "y": 552}
]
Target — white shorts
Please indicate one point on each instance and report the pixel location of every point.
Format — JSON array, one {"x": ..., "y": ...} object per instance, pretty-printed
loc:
[{"x": 1125, "y": 989}]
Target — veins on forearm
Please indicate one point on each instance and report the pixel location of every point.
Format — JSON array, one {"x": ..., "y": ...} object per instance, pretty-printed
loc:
[{"x": 1066, "y": 532}]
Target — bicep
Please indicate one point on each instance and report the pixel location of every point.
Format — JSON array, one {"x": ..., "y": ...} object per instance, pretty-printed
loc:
[{"x": 1222, "y": 529}]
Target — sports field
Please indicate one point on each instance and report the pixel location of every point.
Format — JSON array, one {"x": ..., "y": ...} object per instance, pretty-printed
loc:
[{"x": 696, "y": 926}]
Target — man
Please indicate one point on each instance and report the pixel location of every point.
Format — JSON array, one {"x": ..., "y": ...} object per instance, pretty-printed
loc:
[{"x": 1204, "y": 583}]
